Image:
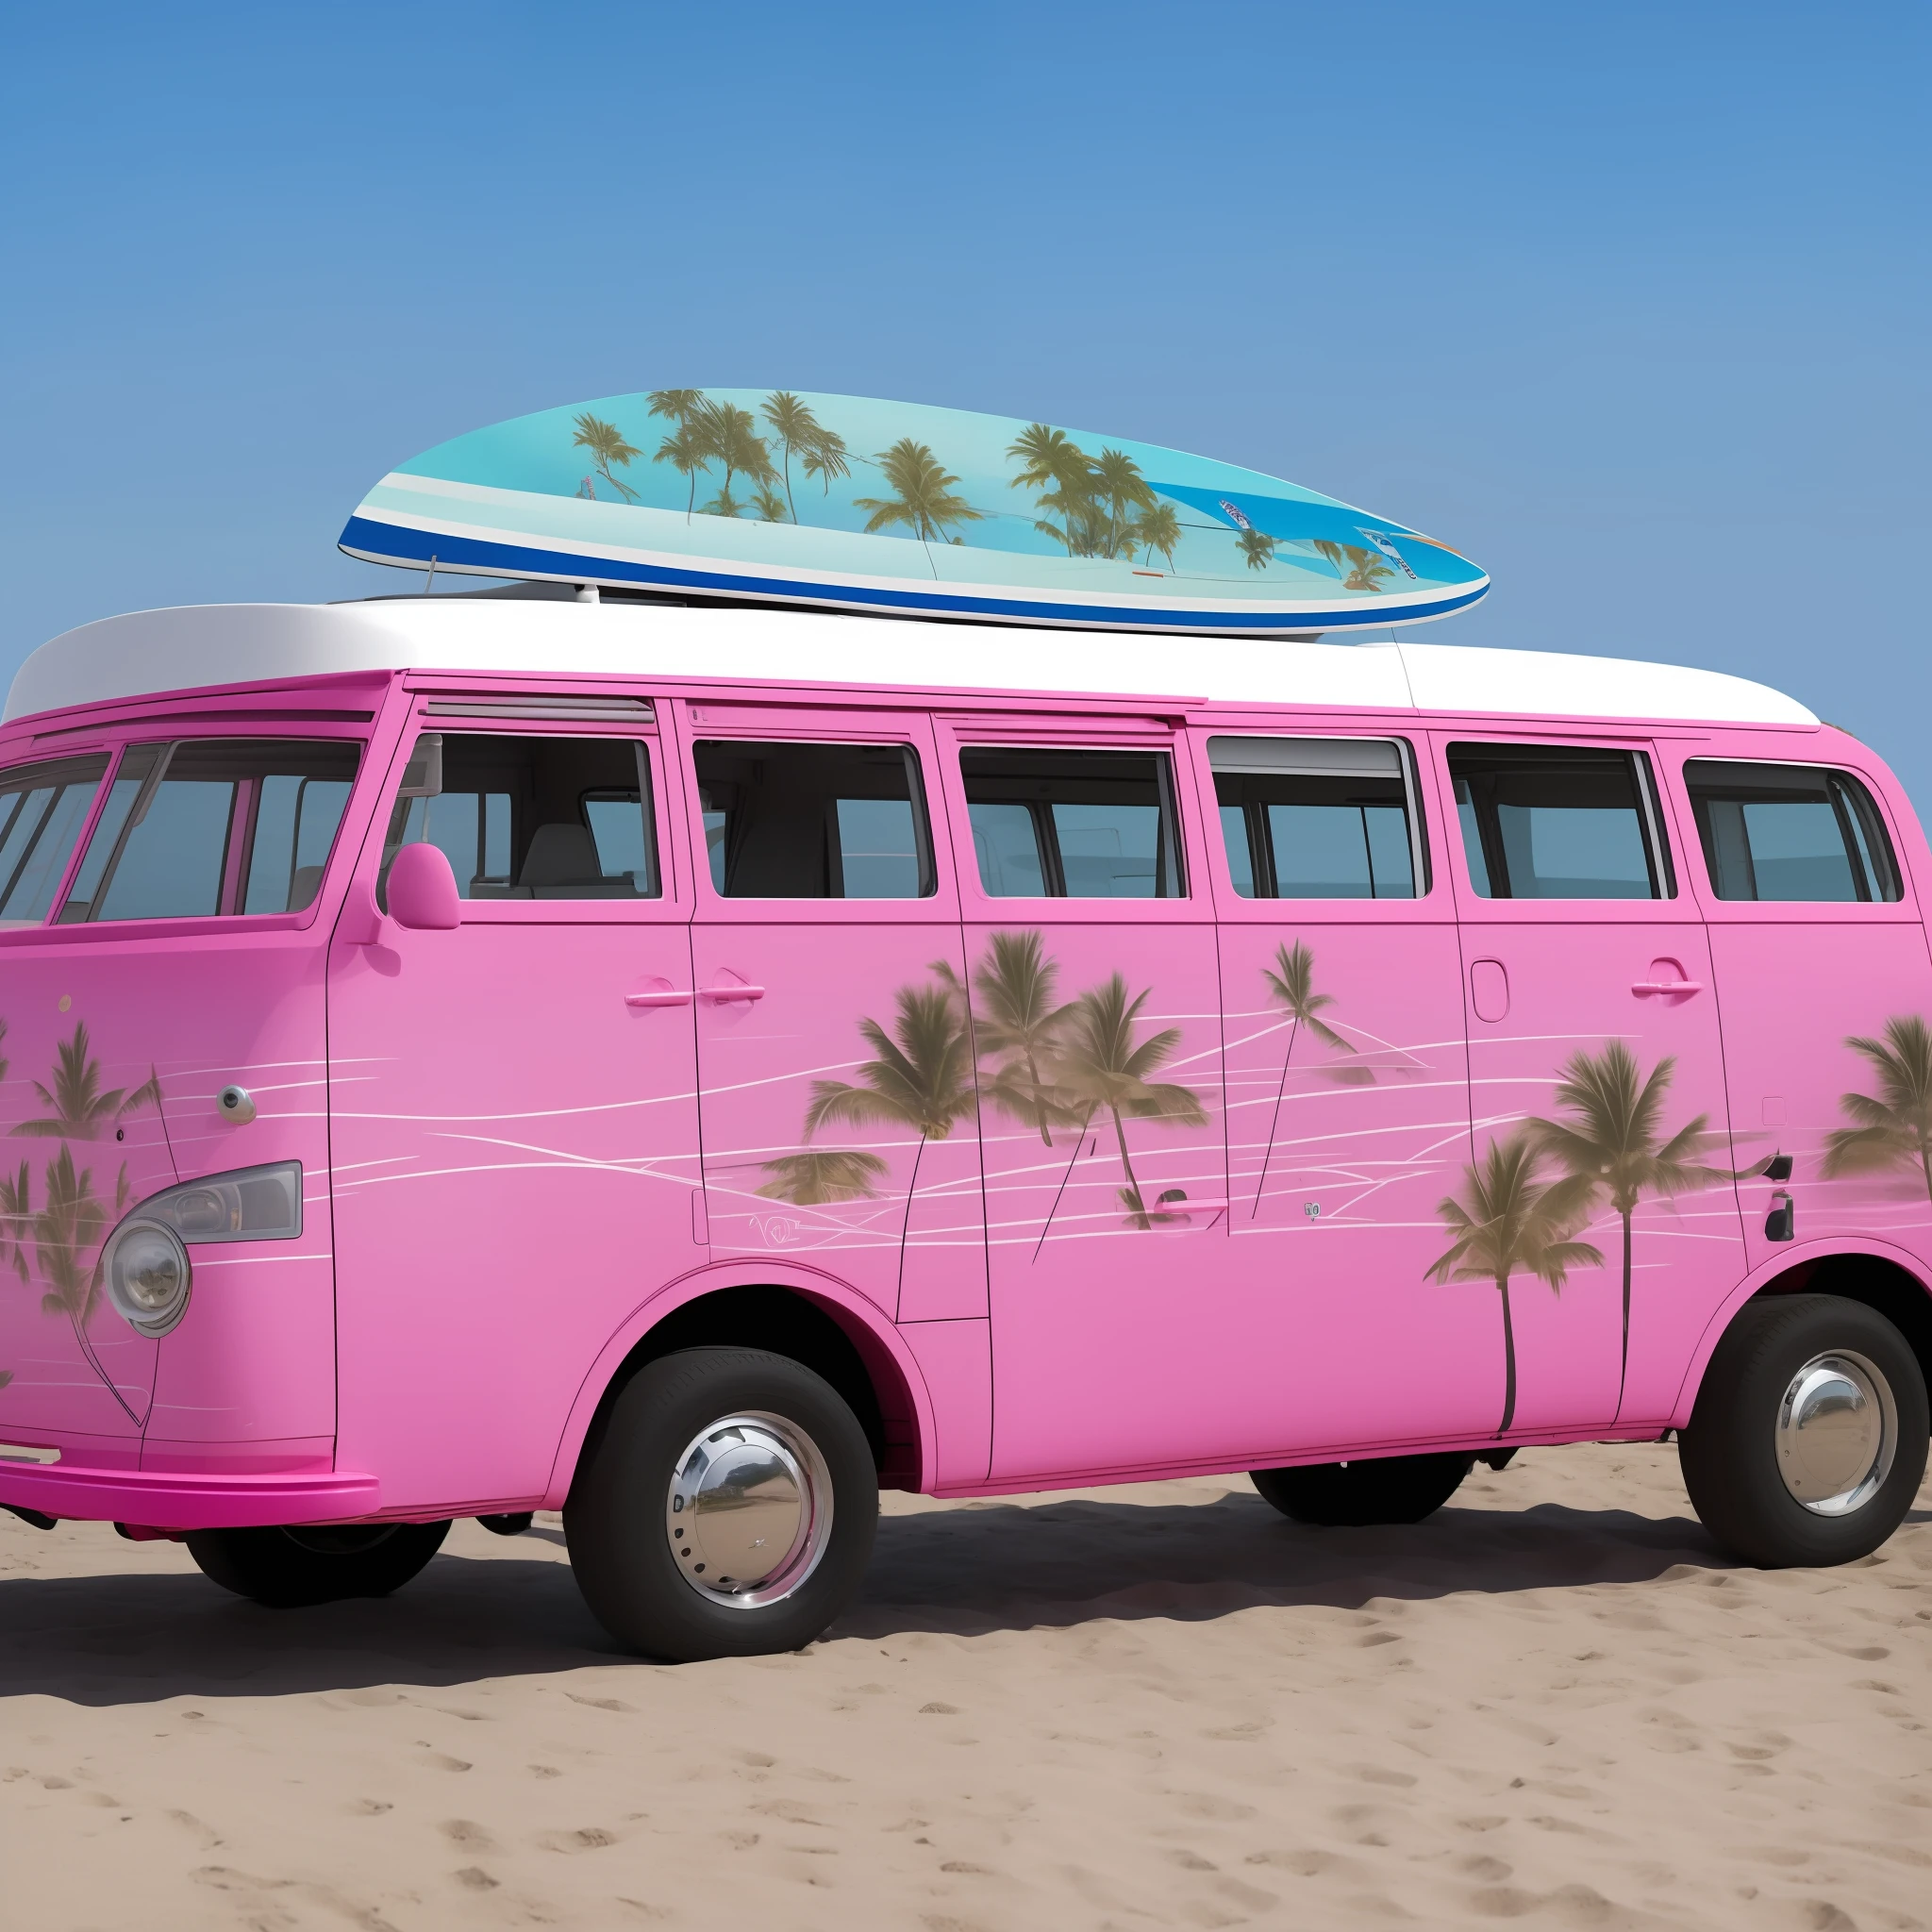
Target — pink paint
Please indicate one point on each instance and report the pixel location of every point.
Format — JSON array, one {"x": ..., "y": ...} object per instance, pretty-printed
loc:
[{"x": 531, "y": 1129}]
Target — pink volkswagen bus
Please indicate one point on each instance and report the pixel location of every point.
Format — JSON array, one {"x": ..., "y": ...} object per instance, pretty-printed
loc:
[{"x": 694, "y": 1067}]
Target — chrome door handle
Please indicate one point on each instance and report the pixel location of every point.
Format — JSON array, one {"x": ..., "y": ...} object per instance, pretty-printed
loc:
[
  {"x": 736, "y": 989},
  {"x": 1666, "y": 986},
  {"x": 661, "y": 995}
]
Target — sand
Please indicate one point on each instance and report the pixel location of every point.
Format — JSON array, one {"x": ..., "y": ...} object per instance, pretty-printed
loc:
[{"x": 1553, "y": 1705}]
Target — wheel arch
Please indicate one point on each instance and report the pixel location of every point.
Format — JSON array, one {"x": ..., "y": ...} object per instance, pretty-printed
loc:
[
  {"x": 1888, "y": 1281},
  {"x": 809, "y": 1318}
]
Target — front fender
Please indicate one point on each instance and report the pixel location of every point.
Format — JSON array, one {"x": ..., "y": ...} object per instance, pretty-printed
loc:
[{"x": 857, "y": 1316}]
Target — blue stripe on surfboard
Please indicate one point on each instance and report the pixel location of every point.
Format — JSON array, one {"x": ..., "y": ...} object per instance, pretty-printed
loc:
[{"x": 383, "y": 543}]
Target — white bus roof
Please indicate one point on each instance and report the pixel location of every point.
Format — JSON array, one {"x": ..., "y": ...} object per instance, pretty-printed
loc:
[{"x": 196, "y": 645}]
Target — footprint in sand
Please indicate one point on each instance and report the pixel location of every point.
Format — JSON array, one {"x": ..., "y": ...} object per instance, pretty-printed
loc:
[{"x": 591, "y": 1839}]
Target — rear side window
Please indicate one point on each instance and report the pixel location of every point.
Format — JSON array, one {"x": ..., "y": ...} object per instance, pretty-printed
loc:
[
  {"x": 1558, "y": 822},
  {"x": 1072, "y": 825},
  {"x": 530, "y": 817},
  {"x": 1790, "y": 832},
  {"x": 1317, "y": 818},
  {"x": 786, "y": 821},
  {"x": 42, "y": 808},
  {"x": 211, "y": 825}
]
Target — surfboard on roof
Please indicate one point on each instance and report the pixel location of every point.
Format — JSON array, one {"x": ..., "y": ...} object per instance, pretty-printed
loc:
[{"x": 850, "y": 503}]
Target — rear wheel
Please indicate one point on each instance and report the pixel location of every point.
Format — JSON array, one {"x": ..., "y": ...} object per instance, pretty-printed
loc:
[
  {"x": 727, "y": 1508},
  {"x": 1382, "y": 1489},
  {"x": 291, "y": 1568},
  {"x": 1807, "y": 1443}
]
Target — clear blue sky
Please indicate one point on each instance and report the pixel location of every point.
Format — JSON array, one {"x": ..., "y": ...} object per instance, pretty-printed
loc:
[{"x": 1629, "y": 301}]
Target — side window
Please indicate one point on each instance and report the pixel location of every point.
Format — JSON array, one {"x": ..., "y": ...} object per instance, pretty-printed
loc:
[
  {"x": 1318, "y": 818},
  {"x": 1790, "y": 832},
  {"x": 531, "y": 817},
  {"x": 209, "y": 825},
  {"x": 42, "y": 808},
  {"x": 1558, "y": 822},
  {"x": 1072, "y": 825},
  {"x": 789, "y": 820}
]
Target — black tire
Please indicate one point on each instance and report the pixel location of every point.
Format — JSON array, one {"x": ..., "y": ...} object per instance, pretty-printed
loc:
[
  {"x": 1734, "y": 1466},
  {"x": 1380, "y": 1489},
  {"x": 623, "y": 1518},
  {"x": 293, "y": 1567}
]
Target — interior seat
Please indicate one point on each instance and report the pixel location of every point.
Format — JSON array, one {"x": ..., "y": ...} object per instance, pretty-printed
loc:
[{"x": 562, "y": 863}]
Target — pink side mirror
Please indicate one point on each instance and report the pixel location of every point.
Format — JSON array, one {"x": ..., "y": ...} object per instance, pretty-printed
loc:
[{"x": 423, "y": 891}]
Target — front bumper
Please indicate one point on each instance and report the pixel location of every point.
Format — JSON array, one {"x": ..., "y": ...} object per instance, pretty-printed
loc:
[{"x": 165, "y": 1500}]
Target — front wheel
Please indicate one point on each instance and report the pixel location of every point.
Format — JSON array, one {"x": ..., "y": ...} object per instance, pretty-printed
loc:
[
  {"x": 293, "y": 1567},
  {"x": 1807, "y": 1441},
  {"x": 726, "y": 1509},
  {"x": 1381, "y": 1489}
]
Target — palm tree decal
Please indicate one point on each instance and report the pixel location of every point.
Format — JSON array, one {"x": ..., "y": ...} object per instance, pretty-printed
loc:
[
  {"x": 825, "y": 457},
  {"x": 675, "y": 404},
  {"x": 771, "y": 506},
  {"x": 1052, "y": 463},
  {"x": 1102, "y": 1065},
  {"x": 606, "y": 445},
  {"x": 1291, "y": 987},
  {"x": 1894, "y": 1126},
  {"x": 821, "y": 1176},
  {"x": 1049, "y": 1065},
  {"x": 1506, "y": 1223},
  {"x": 922, "y": 499},
  {"x": 1359, "y": 569},
  {"x": 1258, "y": 547},
  {"x": 16, "y": 1219},
  {"x": 687, "y": 450},
  {"x": 1367, "y": 573},
  {"x": 1610, "y": 1147},
  {"x": 920, "y": 1076},
  {"x": 1117, "y": 478},
  {"x": 63, "y": 1238},
  {"x": 732, "y": 435},
  {"x": 78, "y": 1110},
  {"x": 1019, "y": 1025},
  {"x": 797, "y": 431},
  {"x": 1158, "y": 529},
  {"x": 69, "y": 1233}
]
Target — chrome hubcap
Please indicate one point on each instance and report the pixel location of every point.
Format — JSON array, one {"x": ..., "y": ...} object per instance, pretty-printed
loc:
[
  {"x": 1836, "y": 1433},
  {"x": 750, "y": 1511}
]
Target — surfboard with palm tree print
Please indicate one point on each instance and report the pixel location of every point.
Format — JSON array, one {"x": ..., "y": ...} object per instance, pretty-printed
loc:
[{"x": 861, "y": 504}]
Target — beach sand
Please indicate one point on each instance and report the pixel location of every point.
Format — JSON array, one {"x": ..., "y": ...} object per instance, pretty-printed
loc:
[{"x": 1553, "y": 1705}]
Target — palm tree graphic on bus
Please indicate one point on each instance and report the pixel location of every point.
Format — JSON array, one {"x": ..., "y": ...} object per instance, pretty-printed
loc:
[
  {"x": 62, "y": 1240},
  {"x": 1046, "y": 1065}
]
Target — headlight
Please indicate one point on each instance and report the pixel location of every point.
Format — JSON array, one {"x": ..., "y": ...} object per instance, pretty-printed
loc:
[
  {"x": 145, "y": 1259},
  {"x": 148, "y": 1276}
]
